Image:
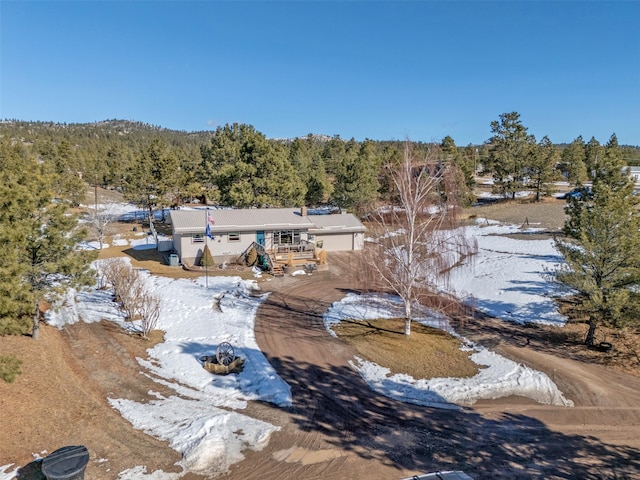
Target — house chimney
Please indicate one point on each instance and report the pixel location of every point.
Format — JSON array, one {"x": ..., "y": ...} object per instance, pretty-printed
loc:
[{"x": 303, "y": 211}]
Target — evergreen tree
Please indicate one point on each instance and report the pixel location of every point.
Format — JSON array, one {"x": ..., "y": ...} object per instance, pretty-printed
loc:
[
  {"x": 465, "y": 176},
  {"x": 509, "y": 154},
  {"x": 356, "y": 182},
  {"x": 248, "y": 170},
  {"x": 319, "y": 188},
  {"x": 206, "y": 260},
  {"x": 149, "y": 180},
  {"x": 187, "y": 184},
  {"x": 39, "y": 253},
  {"x": 306, "y": 159},
  {"x": 54, "y": 261},
  {"x": 61, "y": 160},
  {"x": 593, "y": 156},
  {"x": 16, "y": 185},
  {"x": 333, "y": 154},
  {"x": 301, "y": 153},
  {"x": 277, "y": 183},
  {"x": 542, "y": 167},
  {"x": 573, "y": 162},
  {"x": 602, "y": 255},
  {"x": 116, "y": 163}
]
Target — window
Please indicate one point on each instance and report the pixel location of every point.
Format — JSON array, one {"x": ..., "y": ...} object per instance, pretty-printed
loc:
[
  {"x": 286, "y": 237},
  {"x": 233, "y": 236},
  {"x": 197, "y": 238}
]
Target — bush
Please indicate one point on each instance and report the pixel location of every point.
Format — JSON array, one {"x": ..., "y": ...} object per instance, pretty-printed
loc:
[
  {"x": 207, "y": 259},
  {"x": 130, "y": 290},
  {"x": 15, "y": 326},
  {"x": 128, "y": 286},
  {"x": 149, "y": 310},
  {"x": 9, "y": 368}
]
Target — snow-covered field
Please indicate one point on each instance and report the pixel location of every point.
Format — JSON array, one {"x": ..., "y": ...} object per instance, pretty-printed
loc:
[{"x": 203, "y": 420}]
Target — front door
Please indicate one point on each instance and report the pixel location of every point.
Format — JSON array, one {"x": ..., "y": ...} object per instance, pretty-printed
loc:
[{"x": 260, "y": 237}]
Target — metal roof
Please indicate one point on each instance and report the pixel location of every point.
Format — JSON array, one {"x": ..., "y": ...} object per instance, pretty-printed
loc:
[
  {"x": 250, "y": 219},
  {"x": 343, "y": 222}
]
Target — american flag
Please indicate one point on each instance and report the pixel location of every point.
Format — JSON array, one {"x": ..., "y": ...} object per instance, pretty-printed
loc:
[{"x": 210, "y": 222}]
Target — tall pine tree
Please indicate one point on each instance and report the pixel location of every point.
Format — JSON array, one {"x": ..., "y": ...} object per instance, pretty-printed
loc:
[
  {"x": 247, "y": 170},
  {"x": 573, "y": 162},
  {"x": 39, "y": 239},
  {"x": 542, "y": 167},
  {"x": 602, "y": 252},
  {"x": 509, "y": 155},
  {"x": 356, "y": 177}
]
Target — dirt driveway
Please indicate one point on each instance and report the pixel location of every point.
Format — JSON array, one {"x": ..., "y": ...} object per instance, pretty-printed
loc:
[{"x": 337, "y": 427}]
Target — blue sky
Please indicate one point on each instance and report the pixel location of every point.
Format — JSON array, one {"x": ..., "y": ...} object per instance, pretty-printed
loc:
[{"x": 361, "y": 69}]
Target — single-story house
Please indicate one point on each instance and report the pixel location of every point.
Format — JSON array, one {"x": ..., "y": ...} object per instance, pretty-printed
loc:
[
  {"x": 634, "y": 173},
  {"x": 232, "y": 231}
]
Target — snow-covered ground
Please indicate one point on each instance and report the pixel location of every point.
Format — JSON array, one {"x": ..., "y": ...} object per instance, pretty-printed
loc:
[
  {"x": 508, "y": 277},
  {"x": 203, "y": 420}
]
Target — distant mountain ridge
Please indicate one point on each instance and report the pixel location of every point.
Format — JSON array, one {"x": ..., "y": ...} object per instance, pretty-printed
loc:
[{"x": 125, "y": 127}]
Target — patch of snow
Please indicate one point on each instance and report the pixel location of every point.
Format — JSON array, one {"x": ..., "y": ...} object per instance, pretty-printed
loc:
[
  {"x": 501, "y": 377},
  {"x": 6, "y": 473},
  {"x": 508, "y": 277},
  {"x": 140, "y": 472}
]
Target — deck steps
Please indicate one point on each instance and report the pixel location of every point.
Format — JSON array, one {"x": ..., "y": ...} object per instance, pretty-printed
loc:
[{"x": 277, "y": 270}]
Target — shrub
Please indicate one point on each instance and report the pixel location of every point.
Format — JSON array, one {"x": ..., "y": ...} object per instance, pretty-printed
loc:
[
  {"x": 127, "y": 285},
  {"x": 15, "y": 326},
  {"x": 207, "y": 259},
  {"x": 130, "y": 290},
  {"x": 149, "y": 310},
  {"x": 9, "y": 367}
]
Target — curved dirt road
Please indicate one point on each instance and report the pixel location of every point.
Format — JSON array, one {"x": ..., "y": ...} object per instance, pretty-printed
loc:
[{"x": 338, "y": 428}]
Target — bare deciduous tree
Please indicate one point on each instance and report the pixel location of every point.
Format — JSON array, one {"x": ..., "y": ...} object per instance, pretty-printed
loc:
[
  {"x": 118, "y": 274},
  {"x": 101, "y": 221},
  {"x": 149, "y": 311},
  {"x": 130, "y": 291},
  {"x": 415, "y": 240}
]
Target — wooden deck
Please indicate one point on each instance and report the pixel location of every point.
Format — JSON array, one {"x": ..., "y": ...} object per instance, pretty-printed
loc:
[{"x": 284, "y": 257}]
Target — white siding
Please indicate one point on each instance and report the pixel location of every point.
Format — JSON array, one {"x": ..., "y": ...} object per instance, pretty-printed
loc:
[
  {"x": 335, "y": 242},
  {"x": 358, "y": 241},
  {"x": 219, "y": 246}
]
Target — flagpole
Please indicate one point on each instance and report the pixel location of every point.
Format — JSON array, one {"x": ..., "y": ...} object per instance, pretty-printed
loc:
[{"x": 206, "y": 243}]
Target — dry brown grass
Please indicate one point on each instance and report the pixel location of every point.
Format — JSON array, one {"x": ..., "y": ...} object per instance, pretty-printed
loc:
[
  {"x": 426, "y": 353},
  {"x": 548, "y": 214},
  {"x": 625, "y": 355},
  {"x": 154, "y": 262}
]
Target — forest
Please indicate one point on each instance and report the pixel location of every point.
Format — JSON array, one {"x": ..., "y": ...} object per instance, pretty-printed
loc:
[
  {"x": 47, "y": 167},
  {"x": 237, "y": 166}
]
